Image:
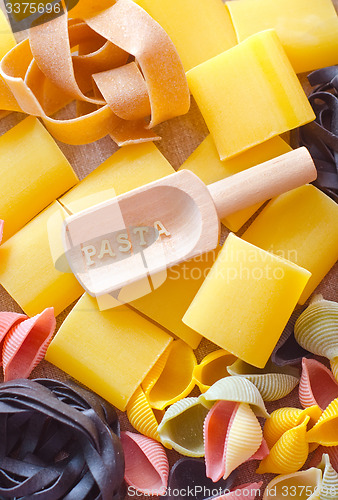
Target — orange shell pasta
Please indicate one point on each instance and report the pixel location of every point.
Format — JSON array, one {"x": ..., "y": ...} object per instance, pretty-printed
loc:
[
  {"x": 171, "y": 378},
  {"x": 325, "y": 430},
  {"x": 141, "y": 416},
  {"x": 290, "y": 452}
]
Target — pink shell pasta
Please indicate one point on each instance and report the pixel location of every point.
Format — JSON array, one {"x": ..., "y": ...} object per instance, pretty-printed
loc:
[
  {"x": 232, "y": 435},
  {"x": 147, "y": 467},
  {"x": 26, "y": 344},
  {"x": 215, "y": 433},
  {"x": 7, "y": 321},
  {"x": 317, "y": 385},
  {"x": 262, "y": 452}
]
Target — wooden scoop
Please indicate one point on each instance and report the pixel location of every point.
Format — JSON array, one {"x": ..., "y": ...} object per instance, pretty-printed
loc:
[{"x": 165, "y": 222}]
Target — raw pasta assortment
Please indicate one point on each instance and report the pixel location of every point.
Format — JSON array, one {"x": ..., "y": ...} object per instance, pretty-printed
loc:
[{"x": 222, "y": 370}]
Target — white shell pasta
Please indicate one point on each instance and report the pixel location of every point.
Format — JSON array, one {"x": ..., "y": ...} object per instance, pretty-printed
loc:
[
  {"x": 237, "y": 389},
  {"x": 302, "y": 485},
  {"x": 329, "y": 488}
]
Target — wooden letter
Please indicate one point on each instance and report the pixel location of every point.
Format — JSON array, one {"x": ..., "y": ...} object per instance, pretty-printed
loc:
[
  {"x": 89, "y": 251},
  {"x": 141, "y": 231},
  {"x": 161, "y": 229},
  {"x": 106, "y": 250},
  {"x": 123, "y": 239}
]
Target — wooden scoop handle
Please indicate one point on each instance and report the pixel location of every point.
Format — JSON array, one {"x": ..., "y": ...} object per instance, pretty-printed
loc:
[{"x": 262, "y": 182}]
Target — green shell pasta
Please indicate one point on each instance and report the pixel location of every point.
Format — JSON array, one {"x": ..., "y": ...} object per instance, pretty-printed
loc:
[
  {"x": 273, "y": 382},
  {"x": 182, "y": 427}
]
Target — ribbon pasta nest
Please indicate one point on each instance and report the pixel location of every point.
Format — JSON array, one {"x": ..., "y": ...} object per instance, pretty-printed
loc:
[
  {"x": 58, "y": 441},
  {"x": 117, "y": 63}
]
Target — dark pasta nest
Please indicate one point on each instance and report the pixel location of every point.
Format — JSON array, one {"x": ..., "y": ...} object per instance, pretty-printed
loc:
[
  {"x": 58, "y": 441},
  {"x": 321, "y": 136}
]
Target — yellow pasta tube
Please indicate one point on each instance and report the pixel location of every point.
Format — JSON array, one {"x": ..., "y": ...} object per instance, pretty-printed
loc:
[
  {"x": 34, "y": 173},
  {"x": 246, "y": 300},
  {"x": 128, "y": 168},
  {"x": 30, "y": 253},
  {"x": 179, "y": 288},
  {"x": 308, "y": 29},
  {"x": 110, "y": 352},
  {"x": 300, "y": 226},
  {"x": 249, "y": 94},
  {"x": 206, "y": 26},
  {"x": 7, "y": 40},
  {"x": 27, "y": 269}
]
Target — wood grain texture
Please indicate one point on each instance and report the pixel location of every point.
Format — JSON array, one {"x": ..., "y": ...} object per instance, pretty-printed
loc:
[
  {"x": 179, "y": 203},
  {"x": 186, "y": 212},
  {"x": 262, "y": 182}
]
